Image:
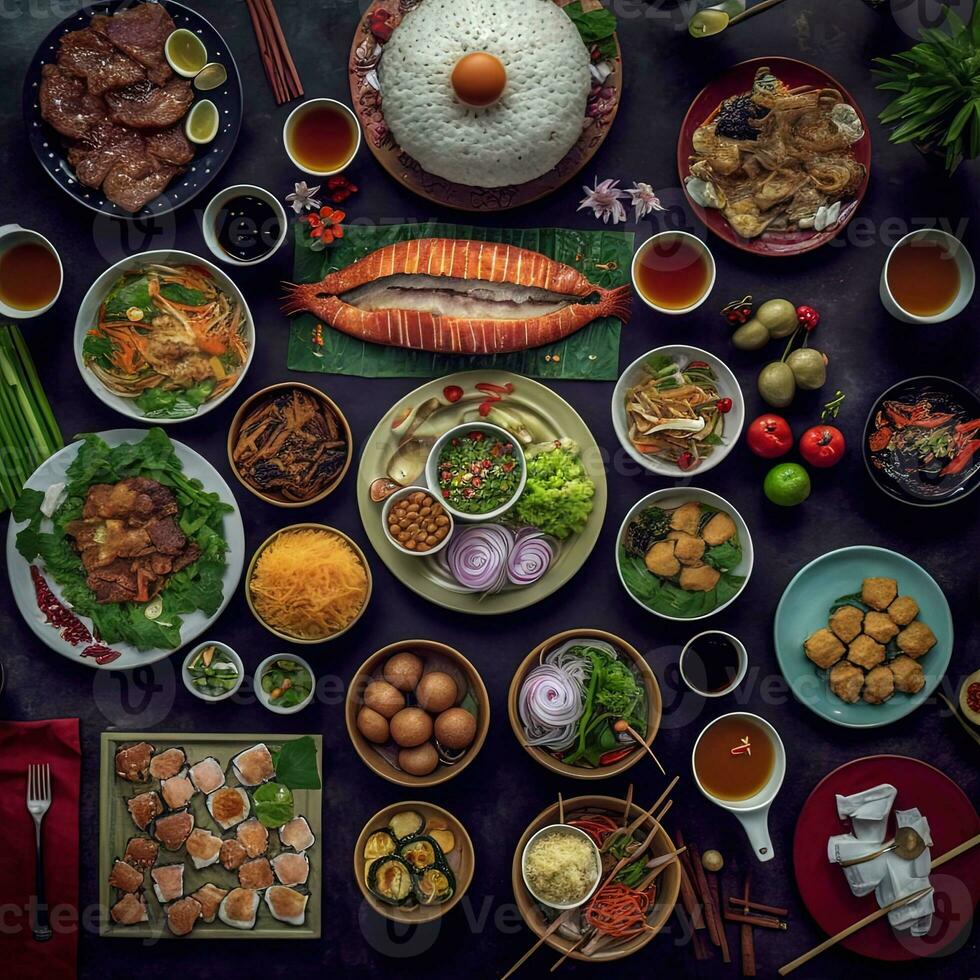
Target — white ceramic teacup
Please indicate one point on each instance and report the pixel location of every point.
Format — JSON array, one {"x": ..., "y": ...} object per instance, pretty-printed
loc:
[
  {"x": 298, "y": 113},
  {"x": 743, "y": 664},
  {"x": 698, "y": 244},
  {"x": 209, "y": 228},
  {"x": 752, "y": 813},
  {"x": 960, "y": 255},
  {"x": 11, "y": 235}
]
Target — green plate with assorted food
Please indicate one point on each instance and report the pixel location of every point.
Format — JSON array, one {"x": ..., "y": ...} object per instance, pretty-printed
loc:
[
  {"x": 210, "y": 836},
  {"x": 524, "y": 508}
]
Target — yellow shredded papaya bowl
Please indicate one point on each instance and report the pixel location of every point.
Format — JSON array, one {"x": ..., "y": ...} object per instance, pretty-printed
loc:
[{"x": 308, "y": 583}]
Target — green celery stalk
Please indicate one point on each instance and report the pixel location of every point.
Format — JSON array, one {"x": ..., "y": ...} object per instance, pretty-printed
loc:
[
  {"x": 37, "y": 442},
  {"x": 12, "y": 466},
  {"x": 55, "y": 439},
  {"x": 16, "y": 441}
]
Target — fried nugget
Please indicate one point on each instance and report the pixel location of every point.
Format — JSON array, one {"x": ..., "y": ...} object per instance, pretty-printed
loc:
[
  {"x": 865, "y": 652},
  {"x": 879, "y": 685},
  {"x": 916, "y": 639},
  {"x": 846, "y": 681},
  {"x": 660, "y": 559},
  {"x": 687, "y": 517},
  {"x": 719, "y": 529},
  {"x": 909, "y": 676},
  {"x": 903, "y": 610},
  {"x": 699, "y": 578},
  {"x": 688, "y": 548},
  {"x": 823, "y": 648},
  {"x": 880, "y": 626},
  {"x": 878, "y": 592},
  {"x": 846, "y": 622}
]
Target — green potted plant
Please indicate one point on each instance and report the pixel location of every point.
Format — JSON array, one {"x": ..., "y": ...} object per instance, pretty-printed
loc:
[{"x": 937, "y": 86}]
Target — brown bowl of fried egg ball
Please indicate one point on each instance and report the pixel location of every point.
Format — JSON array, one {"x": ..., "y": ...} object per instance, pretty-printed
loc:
[{"x": 417, "y": 712}]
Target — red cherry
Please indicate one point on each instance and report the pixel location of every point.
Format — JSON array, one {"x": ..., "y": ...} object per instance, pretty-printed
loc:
[{"x": 724, "y": 405}]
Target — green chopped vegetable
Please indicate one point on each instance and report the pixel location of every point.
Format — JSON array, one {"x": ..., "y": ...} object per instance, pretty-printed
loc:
[{"x": 557, "y": 497}]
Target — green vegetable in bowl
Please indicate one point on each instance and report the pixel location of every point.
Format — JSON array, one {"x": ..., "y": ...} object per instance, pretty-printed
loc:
[
  {"x": 287, "y": 683},
  {"x": 213, "y": 672},
  {"x": 557, "y": 497},
  {"x": 652, "y": 524},
  {"x": 273, "y": 804}
]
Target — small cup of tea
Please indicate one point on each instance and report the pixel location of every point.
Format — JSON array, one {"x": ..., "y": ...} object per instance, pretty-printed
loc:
[
  {"x": 322, "y": 137},
  {"x": 739, "y": 763},
  {"x": 31, "y": 274},
  {"x": 928, "y": 277},
  {"x": 674, "y": 272},
  {"x": 713, "y": 663},
  {"x": 244, "y": 225}
]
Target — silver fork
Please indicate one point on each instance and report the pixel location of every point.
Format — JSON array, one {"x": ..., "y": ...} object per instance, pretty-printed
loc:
[{"x": 38, "y": 803}]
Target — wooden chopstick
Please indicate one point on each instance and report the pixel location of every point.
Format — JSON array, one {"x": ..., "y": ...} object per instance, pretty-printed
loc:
[{"x": 874, "y": 916}]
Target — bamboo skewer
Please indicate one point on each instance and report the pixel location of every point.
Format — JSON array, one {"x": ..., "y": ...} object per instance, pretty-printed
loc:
[
  {"x": 880, "y": 913},
  {"x": 642, "y": 741}
]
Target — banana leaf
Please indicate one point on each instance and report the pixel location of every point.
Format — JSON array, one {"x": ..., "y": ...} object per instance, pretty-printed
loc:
[{"x": 591, "y": 353}]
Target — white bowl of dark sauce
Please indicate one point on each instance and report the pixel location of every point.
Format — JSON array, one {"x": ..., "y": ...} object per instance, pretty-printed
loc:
[{"x": 244, "y": 225}]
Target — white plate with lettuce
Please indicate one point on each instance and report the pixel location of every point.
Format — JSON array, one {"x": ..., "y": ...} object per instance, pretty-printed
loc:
[
  {"x": 102, "y": 629},
  {"x": 163, "y": 336}
]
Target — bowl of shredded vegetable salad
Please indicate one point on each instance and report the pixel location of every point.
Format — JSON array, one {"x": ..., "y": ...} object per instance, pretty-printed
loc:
[{"x": 678, "y": 410}]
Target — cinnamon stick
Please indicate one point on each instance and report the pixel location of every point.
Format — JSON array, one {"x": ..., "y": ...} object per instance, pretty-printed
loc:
[
  {"x": 715, "y": 890},
  {"x": 759, "y": 921},
  {"x": 279, "y": 38},
  {"x": 711, "y": 915},
  {"x": 266, "y": 53},
  {"x": 688, "y": 893},
  {"x": 775, "y": 910},
  {"x": 748, "y": 943}
]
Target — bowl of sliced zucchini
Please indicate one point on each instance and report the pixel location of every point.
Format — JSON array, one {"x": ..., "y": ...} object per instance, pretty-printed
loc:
[{"x": 413, "y": 862}]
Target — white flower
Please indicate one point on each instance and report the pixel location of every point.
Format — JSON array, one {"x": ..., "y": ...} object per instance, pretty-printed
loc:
[
  {"x": 605, "y": 201},
  {"x": 644, "y": 200},
  {"x": 303, "y": 198}
]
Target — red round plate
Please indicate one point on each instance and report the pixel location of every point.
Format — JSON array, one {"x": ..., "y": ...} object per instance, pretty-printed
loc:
[
  {"x": 735, "y": 81},
  {"x": 952, "y": 820}
]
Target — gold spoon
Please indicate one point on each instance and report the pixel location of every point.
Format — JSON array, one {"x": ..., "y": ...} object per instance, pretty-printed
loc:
[{"x": 908, "y": 845}]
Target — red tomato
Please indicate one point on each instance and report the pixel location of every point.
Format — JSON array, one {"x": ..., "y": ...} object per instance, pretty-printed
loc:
[
  {"x": 770, "y": 436},
  {"x": 822, "y": 446}
]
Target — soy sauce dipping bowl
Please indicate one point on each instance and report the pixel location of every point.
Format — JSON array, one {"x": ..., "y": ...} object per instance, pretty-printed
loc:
[
  {"x": 221, "y": 200},
  {"x": 911, "y": 387}
]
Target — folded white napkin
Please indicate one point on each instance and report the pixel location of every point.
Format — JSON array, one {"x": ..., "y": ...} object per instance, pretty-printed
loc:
[{"x": 888, "y": 875}]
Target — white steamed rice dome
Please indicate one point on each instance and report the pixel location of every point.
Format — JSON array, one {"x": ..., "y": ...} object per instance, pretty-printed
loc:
[{"x": 528, "y": 130}]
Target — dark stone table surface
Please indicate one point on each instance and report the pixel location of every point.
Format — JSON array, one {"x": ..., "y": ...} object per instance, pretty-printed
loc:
[{"x": 500, "y": 794}]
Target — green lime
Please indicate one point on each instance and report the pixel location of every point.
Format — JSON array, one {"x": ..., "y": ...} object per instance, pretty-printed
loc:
[
  {"x": 787, "y": 484},
  {"x": 201, "y": 125}
]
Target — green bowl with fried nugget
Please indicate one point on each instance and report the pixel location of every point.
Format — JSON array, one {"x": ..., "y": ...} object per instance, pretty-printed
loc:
[{"x": 854, "y": 678}]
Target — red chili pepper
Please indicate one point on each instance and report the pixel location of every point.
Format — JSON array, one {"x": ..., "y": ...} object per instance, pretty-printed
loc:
[
  {"x": 685, "y": 461},
  {"x": 724, "y": 405},
  {"x": 964, "y": 427},
  {"x": 102, "y": 654},
  {"x": 488, "y": 388},
  {"x": 615, "y": 755},
  {"x": 962, "y": 459},
  {"x": 476, "y": 435},
  {"x": 452, "y": 393},
  {"x": 698, "y": 364},
  {"x": 487, "y": 407},
  {"x": 973, "y": 696},
  {"x": 879, "y": 439}
]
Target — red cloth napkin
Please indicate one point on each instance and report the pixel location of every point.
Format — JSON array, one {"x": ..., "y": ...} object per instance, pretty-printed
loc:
[{"x": 54, "y": 742}]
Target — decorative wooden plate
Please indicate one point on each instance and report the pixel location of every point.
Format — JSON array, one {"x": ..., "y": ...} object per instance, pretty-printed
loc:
[
  {"x": 365, "y": 55},
  {"x": 739, "y": 79}
]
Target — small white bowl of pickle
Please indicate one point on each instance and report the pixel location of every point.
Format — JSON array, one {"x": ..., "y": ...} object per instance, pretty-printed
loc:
[
  {"x": 284, "y": 683},
  {"x": 212, "y": 671}
]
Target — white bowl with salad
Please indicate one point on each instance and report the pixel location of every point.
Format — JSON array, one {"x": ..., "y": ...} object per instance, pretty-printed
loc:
[
  {"x": 678, "y": 410},
  {"x": 284, "y": 683},
  {"x": 212, "y": 671},
  {"x": 163, "y": 336}
]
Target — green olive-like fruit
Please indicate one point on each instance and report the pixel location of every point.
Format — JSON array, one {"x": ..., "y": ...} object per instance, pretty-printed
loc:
[
  {"x": 777, "y": 385},
  {"x": 809, "y": 368},
  {"x": 751, "y": 335},
  {"x": 778, "y": 316}
]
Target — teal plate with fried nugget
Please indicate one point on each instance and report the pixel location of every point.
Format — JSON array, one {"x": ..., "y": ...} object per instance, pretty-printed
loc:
[{"x": 834, "y": 580}]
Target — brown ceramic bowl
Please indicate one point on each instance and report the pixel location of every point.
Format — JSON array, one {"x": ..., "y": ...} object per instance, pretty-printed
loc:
[
  {"x": 429, "y": 651},
  {"x": 654, "y": 705},
  {"x": 461, "y": 862},
  {"x": 668, "y": 883},
  {"x": 250, "y": 404},
  {"x": 317, "y": 527}
]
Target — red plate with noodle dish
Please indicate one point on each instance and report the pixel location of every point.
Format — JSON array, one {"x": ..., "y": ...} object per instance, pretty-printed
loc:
[
  {"x": 952, "y": 820},
  {"x": 738, "y": 81}
]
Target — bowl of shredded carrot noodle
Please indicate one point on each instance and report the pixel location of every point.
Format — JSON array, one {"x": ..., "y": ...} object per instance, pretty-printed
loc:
[
  {"x": 638, "y": 887},
  {"x": 308, "y": 583}
]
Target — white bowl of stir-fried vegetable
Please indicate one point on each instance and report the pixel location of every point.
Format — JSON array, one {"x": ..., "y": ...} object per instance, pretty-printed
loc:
[
  {"x": 163, "y": 336},
  {"x": 678, "y": 410}
]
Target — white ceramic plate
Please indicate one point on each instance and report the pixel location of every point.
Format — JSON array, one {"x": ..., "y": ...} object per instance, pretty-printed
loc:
[
  {"x": 670, "y": 498},
  {"x": 194, "y": 624},
  {"x": 88, "y": 317},
  {"x": 727, "y": 388}
]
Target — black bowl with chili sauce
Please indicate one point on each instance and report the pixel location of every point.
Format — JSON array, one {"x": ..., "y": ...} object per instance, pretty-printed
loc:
[{"x": 921, "y": 441}]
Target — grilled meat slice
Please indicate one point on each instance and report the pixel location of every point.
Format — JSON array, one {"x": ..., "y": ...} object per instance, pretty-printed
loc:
[
  {"x": 141, "y": 33},
  {"x": 145, "y": 106},
  {"x": 67, "y": 105},
  {"x": 104, "y": 144},
  {"x": 166, "y": 536},
  {"x": 135, "y": 497},
  {"x": 91, "y": 56},
  {"x": 171, "y": 146}
]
